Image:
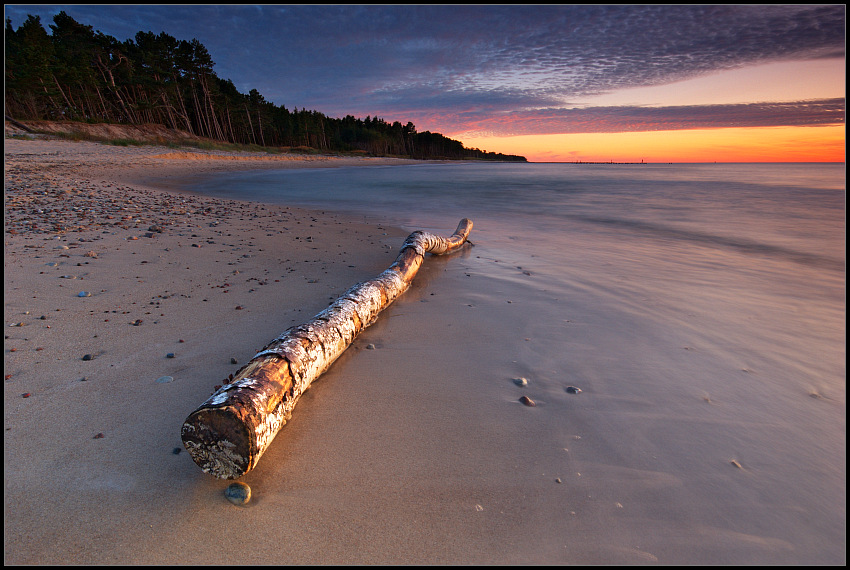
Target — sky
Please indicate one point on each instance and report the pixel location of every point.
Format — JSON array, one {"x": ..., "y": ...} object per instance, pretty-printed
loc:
[{"x": 622, "y": 83}]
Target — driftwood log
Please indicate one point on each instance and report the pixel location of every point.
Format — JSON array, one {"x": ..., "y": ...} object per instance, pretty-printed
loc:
[
  {"x": 19, "y": 125},
  {"x": 227, "y": 434}
]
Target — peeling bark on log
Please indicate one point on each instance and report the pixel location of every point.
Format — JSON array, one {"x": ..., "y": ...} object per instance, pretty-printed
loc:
[{"x": 227, "y": 434}]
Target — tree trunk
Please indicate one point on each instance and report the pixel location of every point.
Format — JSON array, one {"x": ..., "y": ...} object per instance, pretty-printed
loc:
[
  {"x": 67, "y": 102},
  {"x": 19, "y": 125},
  {"x": 184, "y": 112},
  {"x": 250, "y": 124},
  {"x": 260, "y": 123},
  {"x": 227, "y": 434}
]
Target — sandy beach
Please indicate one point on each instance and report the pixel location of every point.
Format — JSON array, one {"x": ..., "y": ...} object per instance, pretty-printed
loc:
[
  {"x": 128, "y": 301},
  {"x": 105, "y": 276}
]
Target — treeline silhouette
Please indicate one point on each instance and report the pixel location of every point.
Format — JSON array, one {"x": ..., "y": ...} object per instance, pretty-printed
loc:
[{"x": 77, "y": 74}]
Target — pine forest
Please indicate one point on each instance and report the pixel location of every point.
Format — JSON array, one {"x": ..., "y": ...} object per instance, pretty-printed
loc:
[{"x": 77, "y": 74}]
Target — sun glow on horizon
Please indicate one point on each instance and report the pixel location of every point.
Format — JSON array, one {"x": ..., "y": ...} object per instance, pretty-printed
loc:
[{"x": 762, "y": 144}]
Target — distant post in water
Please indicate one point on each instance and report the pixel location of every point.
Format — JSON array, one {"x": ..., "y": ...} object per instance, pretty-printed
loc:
[{"x": 228, "y": 433}]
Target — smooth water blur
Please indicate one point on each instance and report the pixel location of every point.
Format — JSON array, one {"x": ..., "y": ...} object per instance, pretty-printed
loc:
[
  {"x": 729, "y": 239},
  {"x": 791, "y": 209},
  {"x": 701, "y": 309},
  {"x": 504, "y": 189}
]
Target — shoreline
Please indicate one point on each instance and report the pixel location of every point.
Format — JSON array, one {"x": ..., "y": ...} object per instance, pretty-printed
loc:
[
  {"x": 709, "y": 428},
  {"x": 177, "y": 285}
]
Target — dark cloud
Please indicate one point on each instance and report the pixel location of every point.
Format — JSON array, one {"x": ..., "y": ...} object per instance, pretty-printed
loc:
[{"x": 430, "y": 61}]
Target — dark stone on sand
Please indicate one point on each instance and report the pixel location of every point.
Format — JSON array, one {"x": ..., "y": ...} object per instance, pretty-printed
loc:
[
  {"x": 238, "y": 493},
  {"x": 88, "y": 357},
  {"x": 234, "y": 361},
  {"x": 573, "y": 390},
  {"x": 527, "y": 401}
]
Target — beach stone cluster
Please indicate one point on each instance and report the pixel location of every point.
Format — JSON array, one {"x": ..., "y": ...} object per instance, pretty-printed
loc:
[{"x": 58, "y": 197}]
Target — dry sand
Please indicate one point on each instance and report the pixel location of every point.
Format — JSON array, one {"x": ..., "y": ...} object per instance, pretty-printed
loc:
[
  {"x": 412, "y": 451},
  {"x": 204, "y": 279}
]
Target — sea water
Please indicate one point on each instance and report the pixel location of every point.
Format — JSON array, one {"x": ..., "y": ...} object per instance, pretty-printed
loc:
[
  {"x": 700, "y": 308},
  {"x": 794, "y": 210},
  {"x": 735, "y": 242}
]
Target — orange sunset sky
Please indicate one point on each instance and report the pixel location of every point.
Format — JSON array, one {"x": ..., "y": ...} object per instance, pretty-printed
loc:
[
  {"x": 763, "y": 144},
  {"x": 787, "y": 81}
]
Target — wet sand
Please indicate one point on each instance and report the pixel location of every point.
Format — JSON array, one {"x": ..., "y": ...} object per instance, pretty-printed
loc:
[{"x": 413, "y": 448}]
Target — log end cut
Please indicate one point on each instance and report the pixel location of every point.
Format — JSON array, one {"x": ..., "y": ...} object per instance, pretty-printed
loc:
[{"x": 219, "y": 442}]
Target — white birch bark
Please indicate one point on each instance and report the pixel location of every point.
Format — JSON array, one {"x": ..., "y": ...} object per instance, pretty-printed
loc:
[{"x": 228, "y": 433}]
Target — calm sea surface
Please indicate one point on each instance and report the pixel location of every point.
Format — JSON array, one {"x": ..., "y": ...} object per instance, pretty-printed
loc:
[
  {"x": 790, "y": 212},
  {"x": 700, "y": 307},
  {"x": 778, "y": 209},
  {"x": 736, "y": 237}
]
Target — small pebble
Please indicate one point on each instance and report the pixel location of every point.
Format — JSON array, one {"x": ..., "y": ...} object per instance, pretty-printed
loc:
[
  {"x": 520, "y": 381},
  {"x": 83, "y": 294},
  {"x": 164, "y": 379},
  {"x": 98, "y": 436},
  {"x": 573, "y": 390},
  {"x": 88, "y": 357},
  {"x": 27, "y": 395},
  {"x": 176, "y": 451},
  {"x": 238, "y": 493},
  {"x": 234, "y": 361},
  {"x": 370, "y": 347},
  {"x": 170, "y": 355},
  {"x": 527, "y": 401}
]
